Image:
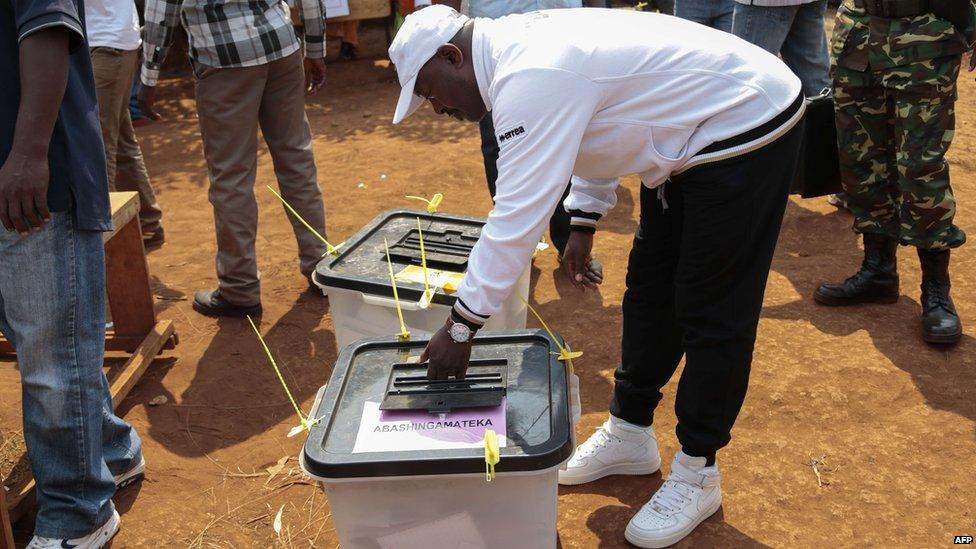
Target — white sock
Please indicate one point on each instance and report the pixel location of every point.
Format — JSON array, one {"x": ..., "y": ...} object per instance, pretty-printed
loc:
[{"x": 619, "y": 424}]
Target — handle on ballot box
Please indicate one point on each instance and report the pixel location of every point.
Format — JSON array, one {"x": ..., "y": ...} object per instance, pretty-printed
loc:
[{"x": 390, "y": 303}]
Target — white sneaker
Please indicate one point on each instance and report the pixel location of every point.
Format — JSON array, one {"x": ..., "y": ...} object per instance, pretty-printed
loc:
[
  {"x": 94, "y": 540},
  {"x": 691, "y": 494},
  {"x": 132, "y": 475},
  {"x": 616, "y": 448}
]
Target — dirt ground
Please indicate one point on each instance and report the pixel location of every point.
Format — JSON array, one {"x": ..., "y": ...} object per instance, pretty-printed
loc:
[{"x": 853, "y": 432}]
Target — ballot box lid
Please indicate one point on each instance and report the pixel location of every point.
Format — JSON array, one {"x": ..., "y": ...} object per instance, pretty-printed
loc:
[
  {"x": 362, "y": 430},
  {"x": 361, "y": 262}
]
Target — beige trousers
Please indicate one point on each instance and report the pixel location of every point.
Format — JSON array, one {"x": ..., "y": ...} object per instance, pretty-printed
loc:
[
  {"x": 114, "y": 70},
  {"x": 232, "y": 103}
]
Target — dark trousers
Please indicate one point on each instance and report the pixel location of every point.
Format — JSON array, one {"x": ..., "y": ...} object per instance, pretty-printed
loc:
[
  {"x": 559, "y": 222},
  {"x": 695, "y": 285}
]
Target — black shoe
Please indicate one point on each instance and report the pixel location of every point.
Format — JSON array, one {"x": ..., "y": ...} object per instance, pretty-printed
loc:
[
  {"x": 347, "y": 51},
  {"x": 876, "y": 282},
  {"x": 210, "y": 303},
  {"x": 314, "y": 288},
  {"x": 154, "y": 240},
  {"x": 940, "y": 322}
]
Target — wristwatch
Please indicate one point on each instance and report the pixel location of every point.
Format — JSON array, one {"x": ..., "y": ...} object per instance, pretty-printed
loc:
[{"x": 459, "y": 332}]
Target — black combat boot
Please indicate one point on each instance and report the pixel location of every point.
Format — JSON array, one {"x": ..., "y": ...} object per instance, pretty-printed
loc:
[
  {"x": 940, "y": 323},
  {"x": 876, "y": 282}
]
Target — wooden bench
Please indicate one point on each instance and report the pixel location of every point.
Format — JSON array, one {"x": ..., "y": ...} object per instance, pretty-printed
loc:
[
  {"x": 6, "y": 531},
  {"x": 135, "y": 327}
]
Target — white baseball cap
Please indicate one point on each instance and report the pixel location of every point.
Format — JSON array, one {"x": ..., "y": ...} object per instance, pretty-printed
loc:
[{"x": 422, "y": 32}]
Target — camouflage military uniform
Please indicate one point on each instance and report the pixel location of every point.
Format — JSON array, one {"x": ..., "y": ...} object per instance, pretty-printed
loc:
[{"x": 895, "y": 90}]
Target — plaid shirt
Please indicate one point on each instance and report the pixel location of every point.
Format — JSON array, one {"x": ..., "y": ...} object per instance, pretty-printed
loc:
[{"x": 230, "y": 33}]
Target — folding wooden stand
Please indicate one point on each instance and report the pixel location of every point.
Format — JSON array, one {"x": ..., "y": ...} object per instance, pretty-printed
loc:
[
  {"x": 135, "y": 331},
  {"x": 6, "y": 531}
]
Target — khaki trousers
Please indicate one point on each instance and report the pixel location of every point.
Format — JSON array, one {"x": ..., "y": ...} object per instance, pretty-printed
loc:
[
  {"x": 232, "y": 103},
  {"x": 114, "y": 70}
]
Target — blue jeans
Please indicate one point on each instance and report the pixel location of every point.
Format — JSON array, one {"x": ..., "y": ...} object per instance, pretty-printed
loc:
[
  {"x": 52, "y": 308},
  {"x": 712, "y": 13},
  {"x": 796, "y": 33}
]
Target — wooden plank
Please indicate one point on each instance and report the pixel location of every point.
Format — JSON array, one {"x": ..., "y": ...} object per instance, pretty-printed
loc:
[
  {"x": 129, "y": 344},
  {"x": 127, "y": 282},
  {"x": 136, "y": 366},
  {"x": 21, "y": 500},
  {"x": 6, "y": 529},
  {"x": 113, "y": 342},
  {"x": 125, "y": 208}
]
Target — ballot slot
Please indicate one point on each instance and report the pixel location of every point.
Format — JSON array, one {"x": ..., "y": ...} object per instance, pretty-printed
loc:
[
  {"x": 484, "y": 385},
  {"x": 448, "y": 249}
]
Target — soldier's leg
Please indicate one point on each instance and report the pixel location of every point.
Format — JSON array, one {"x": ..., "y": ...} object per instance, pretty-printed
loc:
[
  {"x": 924, "y": 124},
  {"x": 925, "y": 95},
  {"x": 866, "y": 152},
  {"x": 864, "y": 144}
]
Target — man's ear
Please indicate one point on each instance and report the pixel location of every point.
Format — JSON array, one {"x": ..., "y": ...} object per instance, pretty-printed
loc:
[{"x": 451, "y": 53}]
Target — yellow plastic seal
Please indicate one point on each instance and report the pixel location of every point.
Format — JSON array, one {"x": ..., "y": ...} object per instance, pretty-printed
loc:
[
  {"x": 432, "y": 204},
  {"x": 428, "y": 296},
  {"x": 329, "y": 248},
  {"x": 404, "y": 335},
  {"x": 304, "y": 423},
  {"x": 565, "y": 353},
  {"x": 492, "y": 454}
]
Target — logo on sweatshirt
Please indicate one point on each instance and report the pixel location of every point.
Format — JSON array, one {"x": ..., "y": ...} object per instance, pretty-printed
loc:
[{"x": 511, "y": 134}]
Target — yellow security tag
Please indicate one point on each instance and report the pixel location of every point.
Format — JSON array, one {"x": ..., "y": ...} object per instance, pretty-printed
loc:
[
  {"x": 492, "y": 454},
  {"x": 428, "y": 295},
  {"x": 304, "y": 423},
  {"x": 404, "y": 335},
  {"x": 432, "y": 204},
  {"x": 329, "y": 248},
  {"x": 565, "y": 354},
  {"x": 449, "y": 281}
]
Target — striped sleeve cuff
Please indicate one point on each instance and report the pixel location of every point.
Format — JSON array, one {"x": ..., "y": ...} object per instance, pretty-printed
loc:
[
  {"x": 461, "y": 313},
  {"x": 314, "y": 47},
  {"x": 583, "y": 221},
  {"x": 150, "y": 77}
]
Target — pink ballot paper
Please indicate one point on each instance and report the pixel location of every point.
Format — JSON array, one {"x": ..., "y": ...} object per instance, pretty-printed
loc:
[{"x": 400, "y": 430}]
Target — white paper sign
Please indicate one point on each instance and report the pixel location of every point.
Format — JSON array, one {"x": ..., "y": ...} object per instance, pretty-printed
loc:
[
  {"x": 404, "y": 430},
  {"x": 336, "y": 8}
]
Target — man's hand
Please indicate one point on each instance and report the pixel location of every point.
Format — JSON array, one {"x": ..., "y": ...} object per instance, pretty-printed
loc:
[
  {"x": 314, "y": 75},
  {"x": 23, "y": 192},
  {"x": 147, "y": 102},
  {"x": 446, "y": 357},
  {"x": 578, "y": 264}
]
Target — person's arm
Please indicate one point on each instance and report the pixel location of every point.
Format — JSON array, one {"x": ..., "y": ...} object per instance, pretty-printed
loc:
[
  {"x": 162, "y": 21},
  {"x": 538, "y": 140},
  {"x": 313, "y": 19},
  {"x": 48, "y": 31}
]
